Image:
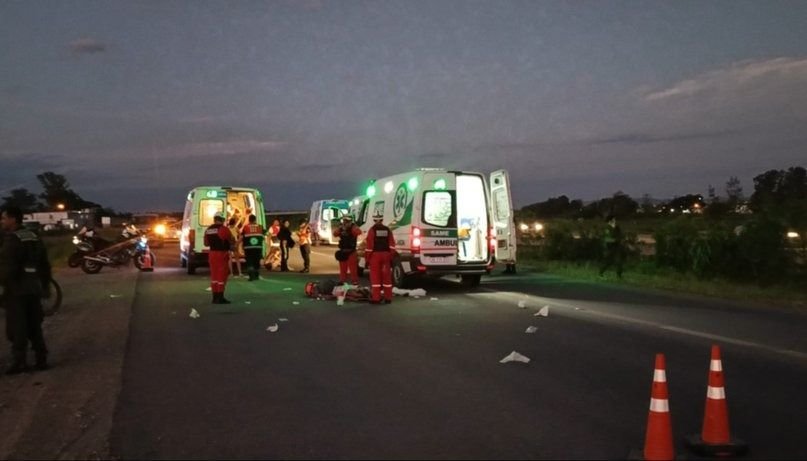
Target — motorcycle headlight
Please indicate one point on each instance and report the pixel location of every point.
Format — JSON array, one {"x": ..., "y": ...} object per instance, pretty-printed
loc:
[{"x": 143, "y": 239}]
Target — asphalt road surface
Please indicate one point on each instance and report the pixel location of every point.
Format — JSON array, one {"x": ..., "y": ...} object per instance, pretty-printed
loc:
[{"x": 421, "y": 378}]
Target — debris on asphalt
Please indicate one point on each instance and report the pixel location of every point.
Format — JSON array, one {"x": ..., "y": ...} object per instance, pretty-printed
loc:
[
  {"x": 116, "y": 296},
  {"x": 283, "y": 319},
  {"x": 531, "y": 329},
  {"x": 247, "y": 302},
  {"x": 207, "y": 289},
  {"x": 415, "y": 293},
  {"x": 295, "y": 302},
  {"x": 194, "y": 314},
  {"x": 522, "y": 304},
  {"x": 435, "y": 299},
  {"x": 544, "y": 312},
  {"x": 287, "y": 289},
  {"x": 515, "y": 357},
  {"x": 272, "y": 328}
]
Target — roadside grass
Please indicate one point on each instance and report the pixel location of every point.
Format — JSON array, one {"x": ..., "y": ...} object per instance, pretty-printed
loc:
[{"x": 646, "y": 274}]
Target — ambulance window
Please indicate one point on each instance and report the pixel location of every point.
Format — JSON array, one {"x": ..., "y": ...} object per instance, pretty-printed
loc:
[
  {"x": 378, "y": 208},
  {"x": 208, "y": 209},
  {"x": 437, "y": 208}
]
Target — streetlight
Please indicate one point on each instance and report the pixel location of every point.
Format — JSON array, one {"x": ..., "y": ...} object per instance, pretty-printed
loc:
[{"x": 60, "y": 206}]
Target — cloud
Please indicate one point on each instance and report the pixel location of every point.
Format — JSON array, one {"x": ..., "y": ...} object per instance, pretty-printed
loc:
[
  {"x": 86, "y": 45},
  {"x": 651, "y": 138},
  {"x": 739, "y": 76}
]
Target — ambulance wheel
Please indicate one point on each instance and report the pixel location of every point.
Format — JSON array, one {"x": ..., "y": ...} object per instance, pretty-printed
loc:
[
  {"x": 471, "y": 280},
  {"x": 398, "y": 275}
]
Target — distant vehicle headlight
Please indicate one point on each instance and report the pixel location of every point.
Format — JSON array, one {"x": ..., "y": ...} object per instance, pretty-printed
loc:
[
  {"x": 159, "y": 229},
  {"x": 792, "y": 235},
  {"x": 524, "y": 227},
  {"x": 538, "y": 227},
  {"x": 75, "y": 240}
]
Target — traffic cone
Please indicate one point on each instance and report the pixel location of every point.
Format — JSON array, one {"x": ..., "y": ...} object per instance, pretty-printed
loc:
[
  {"x": 715, "y": 438},
  {"x": 658, "y": 443},
  {"x": 148, "y": 265}
]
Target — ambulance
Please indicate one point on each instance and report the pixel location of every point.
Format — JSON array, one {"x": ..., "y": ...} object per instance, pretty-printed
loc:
[
  {"x": 323, "y": 213},
  {"x": 201, "y": 206},
  {"x": 444, "y": 222}
]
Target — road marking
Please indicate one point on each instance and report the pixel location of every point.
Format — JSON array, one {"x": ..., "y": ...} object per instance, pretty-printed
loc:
[{"x": 661, "y": 326}]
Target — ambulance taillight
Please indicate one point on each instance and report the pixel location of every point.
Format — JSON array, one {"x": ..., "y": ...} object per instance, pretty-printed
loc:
[{"x": 415, "y": 246}]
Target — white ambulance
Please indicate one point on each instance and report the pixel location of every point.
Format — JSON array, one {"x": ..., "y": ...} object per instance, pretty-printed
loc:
[
  {"x": 444, "y": 222},
  {"x": 323, "y": 212},
  {"x": 201, "y": 206}
]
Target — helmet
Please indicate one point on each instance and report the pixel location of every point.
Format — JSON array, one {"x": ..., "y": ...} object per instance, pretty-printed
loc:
[{"x": 218, "y": 216}]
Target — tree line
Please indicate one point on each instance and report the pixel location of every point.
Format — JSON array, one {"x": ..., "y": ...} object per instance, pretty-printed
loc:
[{"x": 56, "y": 194}]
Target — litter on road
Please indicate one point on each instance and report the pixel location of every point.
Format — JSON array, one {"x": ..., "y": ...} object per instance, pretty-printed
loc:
[
  {"x": 287, "y": 289},
  {"x": 194, "y": 314},
  {"x": 283, "y": 320},
  {"x": 247, "y": 302},
  {"x": 295, "y": 302},
  {"x": 116, "y": 296},
  {"x": 522, "y": 304},
  {"x": 415, "y": 293},
  {"x": 435, "y": 299},
  {"x": 207, "y": 289},
  {"x": 272, "y": 328},
  {"x": 531, "y": 329},
  {"x": 544, "y": 312},
  {"x": 515, "y": 357}
]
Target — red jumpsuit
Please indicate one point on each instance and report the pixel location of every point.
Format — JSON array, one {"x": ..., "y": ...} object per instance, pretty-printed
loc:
[
  {"x": 347, "y": 242},
  {"x": 379, "y": 251},
  {"x": 217, "y": 237}
]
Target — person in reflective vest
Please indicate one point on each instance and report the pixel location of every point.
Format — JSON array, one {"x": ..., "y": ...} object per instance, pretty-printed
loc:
[
  {"x": 348, "y": 233},
  {"x": 218, "y": 238},
  {"x": 253, "y": 238},
  {"x": 378, "y": 253}
]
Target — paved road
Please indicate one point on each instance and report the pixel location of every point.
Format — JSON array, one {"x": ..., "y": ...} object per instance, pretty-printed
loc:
[{"x": 421, "y": 378}]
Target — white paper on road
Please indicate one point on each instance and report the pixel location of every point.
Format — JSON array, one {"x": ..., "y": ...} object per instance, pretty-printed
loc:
[
  {"x": 435, "y": 299},
  {"x": 283, "y": 319},
  {"x": 531, "y": 329},
  {"x": 515, "y": 357},
  {"x": 116, "y": 296},
  {"x": 544, "y": 312},
  {"x": 416, "y": 293},
  {"x": 522, "y": 304},
  {"x": 287, "y": 289},
  {"x": 295, "y": 302},
  {"x": 207, "y": 289},
  {"x": 194, "y": 314},
  {"x": 247, "y": 302},
  {"x": 272, "y": 328}
]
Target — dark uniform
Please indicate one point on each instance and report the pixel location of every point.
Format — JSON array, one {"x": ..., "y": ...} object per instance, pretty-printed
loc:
[
  {"x": 25, "y": 275},
  {"x": 348, "y": 234},
  {"x": 253, "y": 248}
]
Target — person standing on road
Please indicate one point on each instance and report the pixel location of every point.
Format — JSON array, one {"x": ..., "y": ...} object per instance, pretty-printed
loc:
[
  {"x": 25, "y": 275},
  {"x": 613, "y": 247},
  {"x": 286, "y": 242},
  {"x": 253, "y": 237},
  {"x": 218, "y": 238},
  {"x": 348, "y": 233},
  {"x": 304, "y": 240},
  {"x": 378, "y": 254},
  {"x": 236, "y": 246}
]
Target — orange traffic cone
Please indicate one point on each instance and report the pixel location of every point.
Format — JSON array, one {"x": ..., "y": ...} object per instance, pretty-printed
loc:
[
  {"x": 715, "y": 438},
  {"x": 658, "y": 443},
  {"x": 148, "y": 264}
]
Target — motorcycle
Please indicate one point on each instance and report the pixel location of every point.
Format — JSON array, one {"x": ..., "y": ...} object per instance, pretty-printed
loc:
[{"x": 119, "y": 254}]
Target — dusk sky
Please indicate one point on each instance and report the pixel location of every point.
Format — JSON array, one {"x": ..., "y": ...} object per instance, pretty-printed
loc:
[{"x": 137, "y": 102}]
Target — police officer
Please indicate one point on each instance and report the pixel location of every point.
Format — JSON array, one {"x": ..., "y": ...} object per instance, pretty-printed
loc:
[
  {"x": 378, "y": 253},
  {"x": 348, "y": 233},
  {"x": 218, "y": 237},
  {"x": 25, "y": 275},
  {"x": 253, "y": 238}
]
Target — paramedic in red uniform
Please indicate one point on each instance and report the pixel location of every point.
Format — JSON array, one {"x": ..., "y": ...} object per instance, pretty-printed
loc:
[
  {"x": 379, "y": 251},
  {"x": 348, "y": 233},
  {"x": 217, "y": 237}
]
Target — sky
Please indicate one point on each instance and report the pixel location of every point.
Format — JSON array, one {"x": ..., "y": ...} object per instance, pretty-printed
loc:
[{"x": 137, "y": 102}]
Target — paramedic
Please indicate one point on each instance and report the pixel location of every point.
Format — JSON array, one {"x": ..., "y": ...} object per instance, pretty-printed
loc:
[
  {"x": 378, "y": 254},
  {"x": 218, "y": 238},
  {"x": 348, "y": 233},
  {"x": 252, "y": 239}
]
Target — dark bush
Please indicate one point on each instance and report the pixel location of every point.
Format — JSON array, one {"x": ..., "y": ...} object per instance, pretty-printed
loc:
[{"x": 674, "y": 242}]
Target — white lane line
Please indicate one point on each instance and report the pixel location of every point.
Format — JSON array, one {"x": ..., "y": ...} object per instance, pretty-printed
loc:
[{"x": 661, "y": 326}]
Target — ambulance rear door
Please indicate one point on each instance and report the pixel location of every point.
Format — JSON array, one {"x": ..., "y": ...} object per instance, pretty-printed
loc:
[{"x": 501, "y": 204}]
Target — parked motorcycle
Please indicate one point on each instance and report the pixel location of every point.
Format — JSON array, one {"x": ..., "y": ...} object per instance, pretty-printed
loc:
[{"x": 119, "y": 254}]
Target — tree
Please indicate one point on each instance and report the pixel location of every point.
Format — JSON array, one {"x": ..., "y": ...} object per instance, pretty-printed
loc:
[
  {"x": 783, "y": 195},
  {"x": 22, "y": 199},
  {"x": 647, "y": 205},
  {"x": 734, "y": 192},
  {"x": 57, "y": 192}
]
